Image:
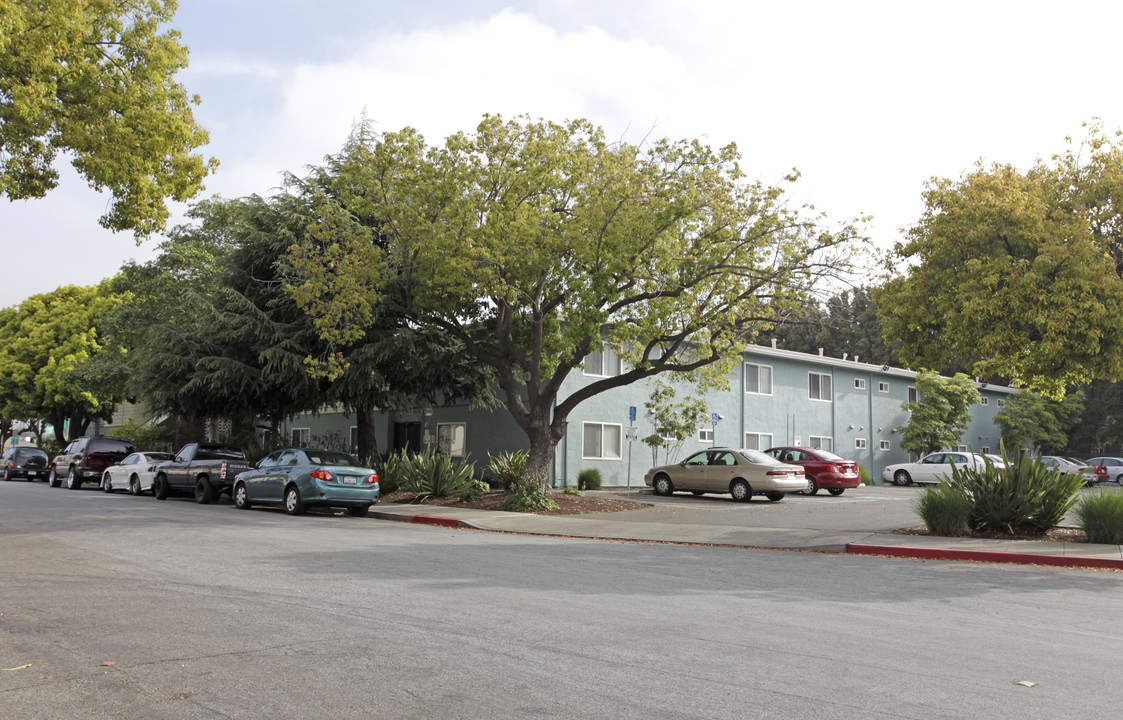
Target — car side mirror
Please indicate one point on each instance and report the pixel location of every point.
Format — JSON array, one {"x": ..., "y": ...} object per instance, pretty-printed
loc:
[{"x": 178, "y": 459}]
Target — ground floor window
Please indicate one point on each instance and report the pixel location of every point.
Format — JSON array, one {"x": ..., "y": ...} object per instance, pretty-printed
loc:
[
  {"x": 706, "y": 435},
  {"x": 820, "y": 442},
  {"x": 450, "y": 439},
  {"x": 758, "y": 441},
  {"x": 859, "y": 443},
  {"x": 884, "y": 444},
  {"x": 301, "y": 437},
  {"x": 601, "y": 441}
]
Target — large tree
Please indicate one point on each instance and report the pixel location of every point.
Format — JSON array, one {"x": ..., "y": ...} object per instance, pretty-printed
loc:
[
  {"x": 941, "y": 414},
  {"x": 1042, "y": 424},
  {"x": 95, "y": 79},
  {"x": 1017, "y": 274},
  {"x": 538, "y": 243},
  {"x": 846, "y": 323}
]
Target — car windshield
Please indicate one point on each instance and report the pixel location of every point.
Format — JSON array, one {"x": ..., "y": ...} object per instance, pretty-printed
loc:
[
  {"x": 110, "y": 446},
  {"x": 159, "y": 456},
  {"x": 31, "y": 452},
  {"x": 827, "y": 455},
  {"x": 756, "y": 456},
  {"x": 329, "y": 457},
  {"x": 219, "y": 452}
]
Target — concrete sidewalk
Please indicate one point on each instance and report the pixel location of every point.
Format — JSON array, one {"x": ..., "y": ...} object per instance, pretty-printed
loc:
[{"x": 603, "y": 526}]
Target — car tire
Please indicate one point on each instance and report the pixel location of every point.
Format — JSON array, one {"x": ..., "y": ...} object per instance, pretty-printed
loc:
[
  {"x": 740, "y": 490},
  {"x": 107, "y": 483},
  {"x": 160, "y": 487},
  {"x": 662, "y": 485},
  {"x": 52, "y": 478},
  {"x": 836, "y": 491},
  {"x": 901, "y": 478},
  {"x": 774, "y": 496},
  {"x": 204, "y": 491},
  {"x": 812, "y": 487},
  {"x": 1119, "y": 479},
  {"x": 697, "y": 493},
  {"x": 73, "y": 482},
  {"x": 134, "y": 486},
  {"x": 359, "y": 511},
  {"x": 293, "y": 503},
  {"x": 7, "y": 474},
  {"x": 241, "y": 497}
]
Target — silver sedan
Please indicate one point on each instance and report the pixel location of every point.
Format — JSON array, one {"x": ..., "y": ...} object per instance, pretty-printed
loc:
[
  {"x": 134, "y": 473},
  {"x": 741, "y": 473}
]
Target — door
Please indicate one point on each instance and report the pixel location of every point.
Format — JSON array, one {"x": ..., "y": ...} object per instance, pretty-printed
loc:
[{"x": 407, "y": 436}]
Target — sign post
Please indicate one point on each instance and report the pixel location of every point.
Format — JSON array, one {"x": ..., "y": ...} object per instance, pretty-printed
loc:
[
  {"x": 632, "y": 432},
  {"x": 714, "y": 419}
]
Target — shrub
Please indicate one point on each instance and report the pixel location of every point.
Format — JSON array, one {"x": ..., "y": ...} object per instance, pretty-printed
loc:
[
  {"x": 574, "y": 491},
  {"x": 530, "y": 495},
  {"x": 508, "y": 468},
  {"x": 588, "y": 479},
  {"x": 864, "y": 475},
  {"x": 475, "y": 490},
  {"x": 428, "y": 474},
  {"x": 945, "y": 510},
  {"x": 1100, "y": 515}
]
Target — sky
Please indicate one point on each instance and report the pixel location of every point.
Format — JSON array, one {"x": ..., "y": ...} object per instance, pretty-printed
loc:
[{"x": 868, "y": 100}]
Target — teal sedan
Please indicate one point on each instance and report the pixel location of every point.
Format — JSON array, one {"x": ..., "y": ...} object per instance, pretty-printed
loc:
[{"x": 299, "y": 478}]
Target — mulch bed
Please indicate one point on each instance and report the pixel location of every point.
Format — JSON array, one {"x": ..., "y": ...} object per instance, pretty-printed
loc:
[
  {"x": 1056, "y": 534},
  {"x": 568, "y": 504}
]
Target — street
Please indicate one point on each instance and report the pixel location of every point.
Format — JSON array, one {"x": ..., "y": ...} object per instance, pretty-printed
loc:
[{"x": 205, "y": 611}]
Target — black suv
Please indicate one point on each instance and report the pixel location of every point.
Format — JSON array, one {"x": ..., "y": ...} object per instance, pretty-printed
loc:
[
  {"x": 25, "y": 462},
  {"x": 86, "y": 459}
]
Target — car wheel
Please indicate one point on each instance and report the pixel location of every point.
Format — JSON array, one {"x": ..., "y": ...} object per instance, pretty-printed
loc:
[
  {"x": 160, "y": 487},
  {"x": 740, "y": 491},
  {"x": 836, "y": 491},
  {"x": 241, "y": 497},
  {"x": 204, "y": 493},
  {"x": 72, "y": 480},
  {"x": 107, "y": 483},
  {"x": 52, "y": 478},
  {"x": 698, "y": 493},
  {"x": 359, "y": 511},
  {"x": 134, "y": 485},
  {"x": 1119, "y": 479},
  {"x": 901, "y": 478},
  {"x": 774, "y": 496},
  {"x": 662, "y": 485},
  {"x": 812, "y": 487},
  {"x": 293, "y": 505},
  {"x": 7, "y": 474}
]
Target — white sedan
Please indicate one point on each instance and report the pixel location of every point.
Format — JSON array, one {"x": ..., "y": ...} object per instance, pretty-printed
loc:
[
  {"x": 933, "y": 468},
  {"x": 134, "y": 473}
]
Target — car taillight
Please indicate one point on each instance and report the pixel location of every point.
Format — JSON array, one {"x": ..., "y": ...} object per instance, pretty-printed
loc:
[
  {"x": 372, "y": 479},
  {"x": 151, "y": 468},
  {"x": 322, "y": 475},
  {"x": 222, "y": 472},
  {"x": 778, "y": 472}
]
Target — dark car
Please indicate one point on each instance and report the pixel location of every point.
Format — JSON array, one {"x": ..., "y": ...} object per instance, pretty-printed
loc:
[
  {"x": 86, "y": 459},
  {"x": 298, "y": 478},
  {"x": 823, "y": 469},
  {"x": 25, "y": 462}
]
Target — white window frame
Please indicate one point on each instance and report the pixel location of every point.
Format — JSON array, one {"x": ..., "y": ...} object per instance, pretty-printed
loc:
[
  {"x": 602, "y": 456},
  {"x": 882, "y": 387},
  {"x": 705, "y": 434},
  {"x": 884, "y": 445},
  {"x": 300, "y": 436},
  {"x": 984, "y": 401},
  {"x": 1001, "y": 403},
  {"x": 859, "y": 383},
  {"x": 986, "y": 450},
  {"x": 455, "y": 449},
  {"x": 913, "y": 395},
  {"x": 759, "y": 437},
  {"x": 604, "y": 368},
  {"x": 860, "y": 444},
  {"x": 820, "y": 442},
  {"x": 830, "y": 385},
  {"x": 962, "y": 449},
  {"x": 758, "y": 367}
]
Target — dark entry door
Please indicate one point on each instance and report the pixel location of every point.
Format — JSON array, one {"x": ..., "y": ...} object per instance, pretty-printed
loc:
[{"x": 407, "y": 436}]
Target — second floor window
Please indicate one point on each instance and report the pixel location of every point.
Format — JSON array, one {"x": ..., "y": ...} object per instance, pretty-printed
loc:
[
  {"x": 819, "y": 386},
  {"x": 758, "y": 379},
  {"x": 602, "y": 363}
]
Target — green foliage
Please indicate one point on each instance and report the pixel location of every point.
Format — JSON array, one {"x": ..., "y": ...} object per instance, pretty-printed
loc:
[
  {"x": 846, "y": 323},
  {"x": 1016, "y": 274},
  {"x": 507, "y": 469},
  {"x": 942, "y": 414},
  {"x": 430, "y": 474},
  {"x": 530, "y": 495},
  {"x": 1100, "y": 515},
  {"x": 142, "y": 437},
  {"x": 475, "y": 490},
  {"x": 672, "y": 423},
  {"x": 1024, "y": 496},
  {"x": 945, "y": 510},
  {"x": 1039, "y": 422},
  {"x": 96, "y": 80},
  {"x": 589, "y": 479},
  {"x": 574, "y": 491},
  {"x": 864, "y": 475}
]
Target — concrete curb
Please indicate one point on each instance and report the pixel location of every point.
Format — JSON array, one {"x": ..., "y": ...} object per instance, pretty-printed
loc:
[{"x": 984, "y": 556}]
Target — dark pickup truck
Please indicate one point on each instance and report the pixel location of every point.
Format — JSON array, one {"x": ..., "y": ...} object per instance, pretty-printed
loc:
[{"x": 205, "y": 469}]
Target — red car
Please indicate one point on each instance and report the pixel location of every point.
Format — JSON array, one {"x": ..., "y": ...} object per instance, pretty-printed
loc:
[{"x": 823, "y": 469}]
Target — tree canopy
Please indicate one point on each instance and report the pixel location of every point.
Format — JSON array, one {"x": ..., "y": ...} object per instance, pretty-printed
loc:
[
  {"x": 941, "y": 414},
  {"x": 95, "y": 79},
  {"x": 537, "y": 243},
  {"x": 1017, "y": 274},
  {"x": 847, "y": 323},
  {"x": 1033, "y": 421}
]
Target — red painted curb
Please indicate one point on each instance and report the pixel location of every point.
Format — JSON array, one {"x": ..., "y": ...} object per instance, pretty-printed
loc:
[
  {"x": 434, "y": 520},
  {"x": 984, "y": 556}
]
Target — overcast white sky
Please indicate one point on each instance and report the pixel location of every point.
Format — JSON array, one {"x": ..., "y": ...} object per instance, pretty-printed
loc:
[{"x": 866, "y": 99}]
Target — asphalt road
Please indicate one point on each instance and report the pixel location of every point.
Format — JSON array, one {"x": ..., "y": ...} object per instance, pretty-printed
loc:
[{"x": 211, "y": 612}]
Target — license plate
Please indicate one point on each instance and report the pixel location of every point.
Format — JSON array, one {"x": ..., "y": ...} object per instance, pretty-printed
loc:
[
  {"x": 33, "y": 473},
  {"x": 349, "y": 480}
]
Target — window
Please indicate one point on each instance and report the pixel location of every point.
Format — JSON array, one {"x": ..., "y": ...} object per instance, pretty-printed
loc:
[
  {"x": 1001, "y": 403},
  {"x": 758, "y": 379},
  {"x": 963, "y": 448},
  {"x": 601, "y": 441},
  {"x": 884, "y": 445},
  {"x": 984, "y": 401},
  {"x": 986, "y": 450},
  {"x": 301, "y": 437},
  {"x": 914, "y": 396},
  {"x": 602, "y": 363},
  {"x": 859, "y": 383},
  {"x": 450, "y": 439},
  {"x": 819, "y": 386},
  {"x": 706, "y": 434},
  {"x": 859, "y": 443},
  {"x": 758, "y": 441},
  {"x": 883, "y": 387},
  {"x": 820, "y": 442}
]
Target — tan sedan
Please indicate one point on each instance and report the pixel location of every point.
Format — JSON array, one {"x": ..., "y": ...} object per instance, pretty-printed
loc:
[{"x": 741, "y": 473}]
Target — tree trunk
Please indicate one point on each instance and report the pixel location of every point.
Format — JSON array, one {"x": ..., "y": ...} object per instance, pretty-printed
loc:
[
  {"x": 367, "y": 438},
  {"x": 544, "y": 437}
]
